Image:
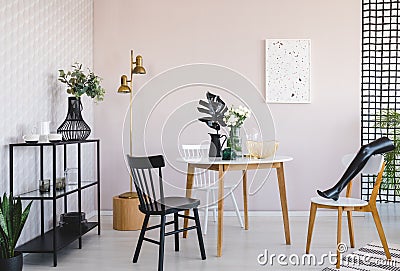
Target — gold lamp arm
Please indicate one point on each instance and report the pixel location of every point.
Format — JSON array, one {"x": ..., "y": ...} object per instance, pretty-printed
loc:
[{"x": 132, "y": 63}]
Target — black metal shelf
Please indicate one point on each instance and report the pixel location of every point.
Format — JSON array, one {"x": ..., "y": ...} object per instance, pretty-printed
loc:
[
  {"x": 37, "y": 195},
  {"x": 64, "y": 237},
  {"x": 58, "y": 237},
  {"x": 53, "y": 143}
]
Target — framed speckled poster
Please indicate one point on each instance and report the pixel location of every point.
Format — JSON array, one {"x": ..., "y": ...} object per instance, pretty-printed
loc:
[{"x": 287, "y": 70}]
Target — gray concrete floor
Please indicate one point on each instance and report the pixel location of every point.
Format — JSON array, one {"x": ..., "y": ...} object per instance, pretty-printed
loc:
[{"x": 113, "y": 250}]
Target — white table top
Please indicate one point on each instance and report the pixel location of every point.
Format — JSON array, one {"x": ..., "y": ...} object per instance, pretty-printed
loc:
[{"x": 238, "y": 161}]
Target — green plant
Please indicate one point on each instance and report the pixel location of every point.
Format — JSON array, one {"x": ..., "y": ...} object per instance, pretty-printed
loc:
[
  {"x": 12, "y": 221},
  {"x": 80, "y": 83},
  {"x": 389, "y": 122}
]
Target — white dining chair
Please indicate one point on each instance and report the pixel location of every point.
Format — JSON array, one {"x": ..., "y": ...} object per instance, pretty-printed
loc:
[
  {"x": 206, "y": 181},
  {"x": 375, "y": 166}
]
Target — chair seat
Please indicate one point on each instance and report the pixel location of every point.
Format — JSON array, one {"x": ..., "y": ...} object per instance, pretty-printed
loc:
[
  {"x": 174, "y": 204},
  {"x": 341, "y": 202}
]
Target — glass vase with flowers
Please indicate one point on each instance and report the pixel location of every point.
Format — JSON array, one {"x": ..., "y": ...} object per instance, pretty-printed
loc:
[{"x": 234, "y": 118}]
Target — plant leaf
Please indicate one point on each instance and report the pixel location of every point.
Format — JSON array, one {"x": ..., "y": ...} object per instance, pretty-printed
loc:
[
  {"x": 12, "y": 221},
  {"x": 16, "y": 221},
  {"x": 24, "y": 217}
]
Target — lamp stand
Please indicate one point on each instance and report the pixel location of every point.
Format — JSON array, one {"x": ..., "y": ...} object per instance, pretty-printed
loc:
[
  {"x": 130, "y": 194},
  {"x": 126, "y": 214}
]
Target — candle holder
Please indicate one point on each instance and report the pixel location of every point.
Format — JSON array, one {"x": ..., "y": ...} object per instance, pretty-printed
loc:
[
  {"x": 44, "y": 186},
  {"x": 60, "y": 183}
]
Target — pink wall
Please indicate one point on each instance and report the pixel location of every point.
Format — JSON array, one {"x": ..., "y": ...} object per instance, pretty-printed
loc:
[{"x": 232, "y": 34}]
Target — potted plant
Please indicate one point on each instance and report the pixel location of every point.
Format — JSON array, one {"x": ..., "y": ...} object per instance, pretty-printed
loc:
[
  {"x": 389, "y": 122},
  {"x": 12, "y": 221},
  {"x": 78, "y": 84}
]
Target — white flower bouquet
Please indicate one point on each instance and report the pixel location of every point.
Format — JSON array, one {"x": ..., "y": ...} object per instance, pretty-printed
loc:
[{"x": 235, "y": 116}]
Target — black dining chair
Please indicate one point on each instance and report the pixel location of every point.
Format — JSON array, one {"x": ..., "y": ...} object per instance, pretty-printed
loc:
[{"x": 147, "y": 177}]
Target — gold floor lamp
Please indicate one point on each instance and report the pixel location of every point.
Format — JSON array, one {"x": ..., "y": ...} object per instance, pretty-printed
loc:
[{"x": 125, "y": 88}]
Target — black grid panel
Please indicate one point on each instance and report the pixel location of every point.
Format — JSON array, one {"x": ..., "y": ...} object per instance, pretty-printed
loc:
[{"x": 380, "y": 83}]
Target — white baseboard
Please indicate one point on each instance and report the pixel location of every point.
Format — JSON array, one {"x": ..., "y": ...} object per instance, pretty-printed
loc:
[
  {"x": 106, "y": 213},
  {"x": 91, "y": 214},
  {"x": 265, "y": 213}
]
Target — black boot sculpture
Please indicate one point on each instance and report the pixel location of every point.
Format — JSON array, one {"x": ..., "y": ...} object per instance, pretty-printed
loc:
[{"x": 378, "y": 146}]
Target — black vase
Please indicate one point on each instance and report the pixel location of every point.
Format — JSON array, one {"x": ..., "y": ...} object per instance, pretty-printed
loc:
[
  {"x": 215, "y": 145},
  {"x": 12, "y": 264},
  {"x": 74, "y": 127}
]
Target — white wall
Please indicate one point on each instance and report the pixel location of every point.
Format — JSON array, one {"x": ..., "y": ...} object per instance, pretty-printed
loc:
[
  {"x": 231, "y": 34},
  {"x": 38, "y": 37}
]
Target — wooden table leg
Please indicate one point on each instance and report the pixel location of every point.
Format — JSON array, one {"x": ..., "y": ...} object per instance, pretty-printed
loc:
[
  {"x": 220, "y": 209},
  {"x": 245, "y": 207},
  {"x": 282, "y": 192},
  {"x": 189, "y": 185}
]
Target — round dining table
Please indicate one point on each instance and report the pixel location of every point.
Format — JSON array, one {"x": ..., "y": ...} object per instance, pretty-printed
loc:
[{"x": 239, "y": 164}]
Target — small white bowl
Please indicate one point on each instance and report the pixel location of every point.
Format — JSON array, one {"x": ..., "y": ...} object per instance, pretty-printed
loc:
[
  {"x": 262, "y": 149},
  {"x": 31, "y": 138},
  {"x": 55, "y": 137}
]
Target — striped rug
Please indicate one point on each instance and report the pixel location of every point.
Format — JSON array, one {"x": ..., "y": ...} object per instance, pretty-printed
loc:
[{"x": 370, "y": 257}]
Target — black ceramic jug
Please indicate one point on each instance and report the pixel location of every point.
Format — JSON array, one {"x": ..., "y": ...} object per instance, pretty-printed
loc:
[{"x": 215, "y": 145}]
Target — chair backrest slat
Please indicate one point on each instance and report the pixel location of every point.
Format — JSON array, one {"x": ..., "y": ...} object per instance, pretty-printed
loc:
[
  {"x": 138, "y": 186},
  {"x": 148, "y": 193},
  {"x": 142, "y": 188},
  {"x": 145, "y": 185},
  {"x": 202, "y": 177},
  {"x": 152, "y": 187},
  {"x": 213, "y": 178},
  {"x": 161, "y": 188},
  {"x": 194, "y": 151}
]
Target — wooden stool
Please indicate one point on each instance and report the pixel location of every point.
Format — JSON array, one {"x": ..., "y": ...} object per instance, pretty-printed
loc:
[{"x": 126, "y": 214}]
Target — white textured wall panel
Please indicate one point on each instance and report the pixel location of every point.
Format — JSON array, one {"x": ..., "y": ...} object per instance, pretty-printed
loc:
[{"x": 37, "y": 38}]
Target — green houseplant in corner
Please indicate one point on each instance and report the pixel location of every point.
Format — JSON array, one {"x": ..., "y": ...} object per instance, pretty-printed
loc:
[
  {"x": 12, "y": 221},
  {"x": 389, "y": 123}
]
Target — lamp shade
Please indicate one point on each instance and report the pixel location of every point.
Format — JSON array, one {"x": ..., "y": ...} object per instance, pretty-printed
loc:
[
  {"x": 124, "y": 88},
  {"x": 139, "y": 69}
]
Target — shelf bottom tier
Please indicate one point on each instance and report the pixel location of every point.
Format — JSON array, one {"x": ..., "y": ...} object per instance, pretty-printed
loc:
[{"x": 64, "y": 236}]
